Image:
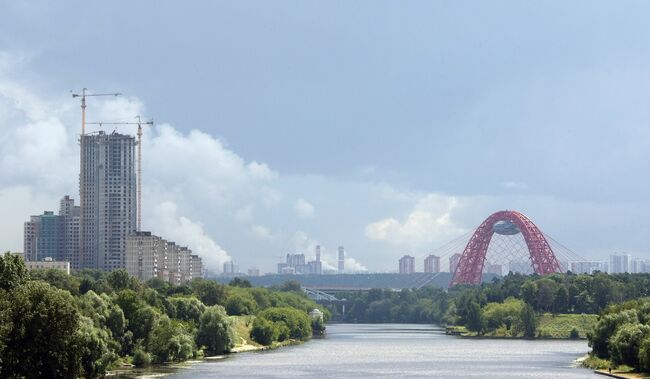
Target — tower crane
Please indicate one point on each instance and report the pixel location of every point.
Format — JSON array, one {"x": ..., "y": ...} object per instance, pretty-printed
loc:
[
  {"x": 139, "y": 161},
  {"x": 82, "y": 190}
]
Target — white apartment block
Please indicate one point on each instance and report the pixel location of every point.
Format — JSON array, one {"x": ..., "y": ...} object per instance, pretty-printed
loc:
[{"x": 149, "y": 256}]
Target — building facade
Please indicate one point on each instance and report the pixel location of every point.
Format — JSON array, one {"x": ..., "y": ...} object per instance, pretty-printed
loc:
[
  {"x": 44, "y": 237},
  {"x": 619, "y": 263},
  {"x": 341, "y": 257},
  {"x": 149, "y": 256},
  {"x": 108, "y": 187},
  {"x": 407, "y": 265},
  {"x": 432, "y": 264},
  {"x": 453, "y": 262}
]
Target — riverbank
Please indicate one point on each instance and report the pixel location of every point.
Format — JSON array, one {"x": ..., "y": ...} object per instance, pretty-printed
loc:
[
  {"x": 242, "y": 326},
  {"x": 601, "y": 366},
  {"x": 549, "y": 326}
]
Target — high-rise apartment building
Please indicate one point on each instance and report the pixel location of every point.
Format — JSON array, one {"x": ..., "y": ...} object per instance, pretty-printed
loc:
[
  {"x": 588, "y": 267},
  {"x": 341, "y": 259},
  {"x": 44, "y": 237},
  {"x": 493, "y": 268},
  {"x": 453, "y": 262},
  {"x": 230, "y": 268},
  {"x": 407, "y": 265},
  {"x": 619, "y": 263},
  {"x": 432, "y": 264},
  {"x": 70, "y": 214},
  {"x": 108, "y": 188}
]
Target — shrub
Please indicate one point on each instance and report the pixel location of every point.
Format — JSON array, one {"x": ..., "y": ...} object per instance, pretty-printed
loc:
[
  {"x": 264, "y": 331},
  {"x": 141, "y": 358},
  {"x": 215, "y": 331},
  {"x": 241, "y": 304},
  {"x": 574, "y": 334},
  {"x": 298, "y": 323}
]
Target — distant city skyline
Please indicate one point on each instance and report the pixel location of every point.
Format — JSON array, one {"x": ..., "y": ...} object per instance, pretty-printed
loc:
[{"x": 383, "y": 128}]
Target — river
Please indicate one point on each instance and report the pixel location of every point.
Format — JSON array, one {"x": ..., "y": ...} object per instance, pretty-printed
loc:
[{"x": 399, "y": 350}]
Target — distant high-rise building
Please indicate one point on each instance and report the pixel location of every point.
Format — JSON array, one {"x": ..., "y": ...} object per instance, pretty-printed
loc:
[
  {"x": 522, "y": 267},
  {"x": 315, "y": 267},
  {"x": 44, "y": 237},
  {"x": 432, "y": 264},
  {"x": 253, "y": 272},
  {"x": 70, "y": 214},
  {"x": 281, "y": 267},
  {"x": 318, "y": 253},
  {"x": 407, "y": 265},
  {"x": 453, "y": 262},
  {"x": 493, "y": 268},
  {"x": 619, "y": 263},
  {"x": 588, "y": 267},
  {"x": 341, "y": 259},
  {"x": 230, "y": 268},
  {"x": 295, "y": 260},
  {"x": 108, "y": 187}
]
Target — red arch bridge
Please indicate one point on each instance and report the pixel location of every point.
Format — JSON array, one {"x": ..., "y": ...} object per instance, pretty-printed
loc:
[{"x": 505, "y": 238}]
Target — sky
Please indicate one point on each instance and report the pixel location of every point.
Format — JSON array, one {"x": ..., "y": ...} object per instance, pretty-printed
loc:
[{"x": 387, "y": 127}]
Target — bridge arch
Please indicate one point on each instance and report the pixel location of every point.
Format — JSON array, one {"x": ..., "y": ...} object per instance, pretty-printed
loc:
[{"x": 470, "y": 266}]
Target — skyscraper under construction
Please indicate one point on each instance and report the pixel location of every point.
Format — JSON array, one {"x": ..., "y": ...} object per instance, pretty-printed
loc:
[{"x": 108, "y": 188}]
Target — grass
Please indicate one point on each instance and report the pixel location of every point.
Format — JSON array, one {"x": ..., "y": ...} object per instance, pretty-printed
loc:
[
  {"x": 243, "y": 325},
  {"x": 560, "y": 326}
]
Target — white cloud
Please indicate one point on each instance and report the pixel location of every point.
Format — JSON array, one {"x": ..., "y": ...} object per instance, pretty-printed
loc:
[
  {"x": 428, "y": 223},
  {"x": 262, "y": 232},
  {"x": 168, "y": 224},
  {"x": 303, "y": 208}
]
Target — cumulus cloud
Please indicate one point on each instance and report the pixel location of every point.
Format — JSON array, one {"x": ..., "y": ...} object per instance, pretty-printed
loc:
[
  {"x": 180, "y": 229},
  {"x": 262, "y": 232},
  {"x": 429, "y": 222},
  {"x": 303, "y": 208}
]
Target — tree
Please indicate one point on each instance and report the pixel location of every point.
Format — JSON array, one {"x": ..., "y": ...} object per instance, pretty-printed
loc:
[
  {"x": 625, "y": 344},
  {"x": 39, "y": 331},
  {"x": 188, "y": 308},
  {"x": 94, "y": 346},
  {"x": 546, "y": 289},
  {"x": 264, "y": 331},
  {"x": 528, "y": 321},
  {"x": 209, "y": 291},
  {"x": 474, "y": 319},
  {"x": 119, "y": 279},
  {"x": 240, "y": 282},
  {"x": 529, "y": 292},
  {"x": 58, "y": 279},
  {"x": 606, "y": 327},
  {"x": 298, "y": 323},
  {"x": 13, "y": 271},
  {"x": 215, "y": 331},
  {"x": 240, "y": 304},
  {"x": 170, "y": 341},
  {"x": 291, "y": 285},
  {"x": 644, "y": 355},
  {"x": 143, "y": 322}
]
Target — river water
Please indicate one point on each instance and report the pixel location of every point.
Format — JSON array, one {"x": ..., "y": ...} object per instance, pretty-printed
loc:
[{"x": 399, "y": 350}]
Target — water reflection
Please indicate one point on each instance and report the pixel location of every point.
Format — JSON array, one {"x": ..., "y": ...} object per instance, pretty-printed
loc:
[{"x": 397, "y": 350}]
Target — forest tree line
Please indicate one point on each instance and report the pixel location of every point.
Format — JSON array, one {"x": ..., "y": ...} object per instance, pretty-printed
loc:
[{"x": 80, "y": 325}]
